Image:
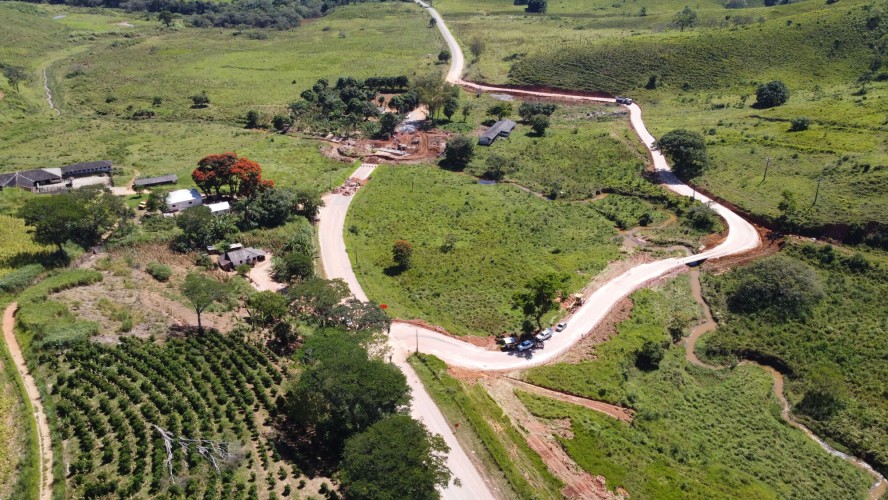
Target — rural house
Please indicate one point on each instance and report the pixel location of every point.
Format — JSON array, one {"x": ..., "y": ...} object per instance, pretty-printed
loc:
[
  {"x": 181, "y": 199},
  {"x": 156, "y": 181},
  {"x": 36, "y": 180},
  {"x": 235, "y": 257},
  {"x": 501, "y": 128},
  {"x": 221, "y": 208}
]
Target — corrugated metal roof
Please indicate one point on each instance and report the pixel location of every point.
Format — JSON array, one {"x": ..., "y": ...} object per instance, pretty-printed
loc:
[
  {"x": 180, "y": 195},
  {"x": 163, "y": 179}
]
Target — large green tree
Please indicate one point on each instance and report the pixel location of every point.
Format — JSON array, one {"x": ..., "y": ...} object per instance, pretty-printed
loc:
[
  {"x": 538, "y": 296},
  {"x": 687, "y": 150},
  {"x": 202, "y": 291},
  {"x": 81, "y": 216},
  {"x": 395, "y": 458},
  {"x": 340, "y": 392},
  {"x": 14, "y": 76},
  {"x": 266, "y": 307},
  {"x": 771, "y": 94},
  {"x": 459, "y": 151},
  {"x": 315, "y": 299},
  {"x": 685, "y": 18}
]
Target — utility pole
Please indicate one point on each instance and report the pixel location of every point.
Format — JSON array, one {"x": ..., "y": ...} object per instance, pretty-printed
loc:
[
  {"x": 817, "y": 191},
  {"x": 417, "y": 340},
  {"x": 768, "y": 164}
]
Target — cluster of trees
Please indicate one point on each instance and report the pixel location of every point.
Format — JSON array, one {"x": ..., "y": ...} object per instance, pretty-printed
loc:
[
  {"x": 536, "y": 114},
  {"x": 534, "y": 6},
  {"x": 345, "y": 107},
  {"x": 259, "y": 205},
  {"x": 280, "y": 14},
  {"x": 14, "y": 75},
  {"x": 81, "y": 216},
  {"x": 349, "y": 408},
  {"x": 778, "y": 286},
  {"x": 538, "y": 296}
]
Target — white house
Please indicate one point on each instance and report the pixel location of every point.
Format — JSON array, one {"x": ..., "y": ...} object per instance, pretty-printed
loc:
[
  {"x": 221, "y": 208},
  {"x": 181, "y": 199}
]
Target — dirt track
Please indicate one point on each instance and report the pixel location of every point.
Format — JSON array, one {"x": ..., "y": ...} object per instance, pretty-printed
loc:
[{"x": 43, "y": 434}]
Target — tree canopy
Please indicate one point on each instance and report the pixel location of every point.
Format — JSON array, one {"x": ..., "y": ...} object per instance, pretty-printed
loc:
[
  {"x": 81, "y": 216},
  {"x": 687, "y": 150},
  {"x": 394, "y": 458},
  {"x": 202, "y": 291},
  {"x": 685, "y": 18},
  {"x": 242, "y": 176},
  {"x": 340, "y": 392},
  {"x": 777, "y": 285},
  {"x": 459, "y": 151},
  {"x": 538, "y": 296},
  {"x": 771, "y": 94}
]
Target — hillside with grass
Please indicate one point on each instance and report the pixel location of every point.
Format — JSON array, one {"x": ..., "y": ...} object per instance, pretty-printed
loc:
[
  {"x": 474, "y": 245},
  {"x": 697, "y": 432},
  {"x": 832, "y": 351},
  {"x": 705, "y": 79}
]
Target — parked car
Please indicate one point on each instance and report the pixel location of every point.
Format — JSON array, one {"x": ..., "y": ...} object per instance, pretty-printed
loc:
[
  {"x": 524, "y": 346},
  {"x": 143, "y": 205},
  {"x": 561, "y": 327},
  {"x": 624, "y": 100},
  {"x": 544, "y": 335},
  {"x": 509, "y": 343}
]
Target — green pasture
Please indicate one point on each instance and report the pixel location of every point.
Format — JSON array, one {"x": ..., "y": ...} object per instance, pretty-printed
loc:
[
  {"x": 501, "y": 236},
  {"x": 845, "y": 332},
  {"x": 697, "y": 433}
]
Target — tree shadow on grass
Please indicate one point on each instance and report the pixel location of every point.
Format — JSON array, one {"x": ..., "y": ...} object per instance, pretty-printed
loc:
[{"x": 393, "y": 271}]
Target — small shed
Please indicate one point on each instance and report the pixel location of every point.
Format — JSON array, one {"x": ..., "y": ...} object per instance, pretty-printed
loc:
[
  {"x": 501, "y": 128},
  {"x": 221, "y": 208},
  {"x": 233, "y": 258},
  {"x": 156, "y": 181},
  {"x": 181, "y": 199}
]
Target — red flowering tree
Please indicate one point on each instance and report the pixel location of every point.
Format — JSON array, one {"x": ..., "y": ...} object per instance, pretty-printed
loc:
[{"x": 242, "y": 176}]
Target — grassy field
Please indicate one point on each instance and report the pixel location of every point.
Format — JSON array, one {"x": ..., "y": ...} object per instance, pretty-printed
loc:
[
  {"x": 706, "y": 79},
  {"x": 501, "y": 237},
  {"x": 845, "y": 331},
  {"x": 100, "y": 72},
  {"x": 18, "y": 247},
  {"x": 487, "y": 428},
  {"x": 587, "y": 150},
  {"x": 697, "y": 433}
]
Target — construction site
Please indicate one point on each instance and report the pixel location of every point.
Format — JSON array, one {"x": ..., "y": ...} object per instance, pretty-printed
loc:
[{"x": 409, "y": 144}]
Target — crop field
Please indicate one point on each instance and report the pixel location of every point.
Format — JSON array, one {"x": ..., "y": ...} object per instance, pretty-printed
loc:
[
  {"x": 845, "y": 331},
  {"x": 697, "y": 433},
  {"x": 500, "y": 236},
  {"x": 112, "y": 402}
]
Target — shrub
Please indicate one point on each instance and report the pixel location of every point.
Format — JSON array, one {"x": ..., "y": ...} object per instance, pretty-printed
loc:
[
  {"x": 243, "y": 269},
  {"x": 20, "y": 278},
  {"x": 799, "y": 124},
  {"x": 460, "y": 150},
  {"x": 701, "y": 217},
  {"x": 650, "y": 355},
  {"x": 779, "y": 284},
  {"x": 771, "y": 94},
  {"x": 159, "y": 271}
]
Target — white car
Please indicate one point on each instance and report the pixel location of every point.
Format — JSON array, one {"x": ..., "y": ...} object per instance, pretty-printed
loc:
[
  {"x": 560, "y": 327},
  {"x": 544, "y": 335}
]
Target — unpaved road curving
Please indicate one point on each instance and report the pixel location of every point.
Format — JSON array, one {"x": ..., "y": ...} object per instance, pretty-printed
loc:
[
  {"x": 336, "y": 264},
  {"x": 879, "y": 487},
  {"x": 43, "y": 434}
]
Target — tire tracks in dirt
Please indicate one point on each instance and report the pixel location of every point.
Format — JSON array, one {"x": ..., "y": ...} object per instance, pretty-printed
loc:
[
  {"x": 879, "y": 487},
  {"x": 43, "y": 432}
]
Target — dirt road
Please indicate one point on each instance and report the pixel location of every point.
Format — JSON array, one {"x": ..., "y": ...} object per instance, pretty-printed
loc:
[
  {"x": 336, "y": 264},
  {"x": 43, "y": 434}
]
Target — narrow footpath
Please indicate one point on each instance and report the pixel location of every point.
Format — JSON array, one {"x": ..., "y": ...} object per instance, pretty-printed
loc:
[
  {"x": 879, "y": 487},
  {"x": 49, "y": 94},
  {"x": 43, "y": 434}
]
